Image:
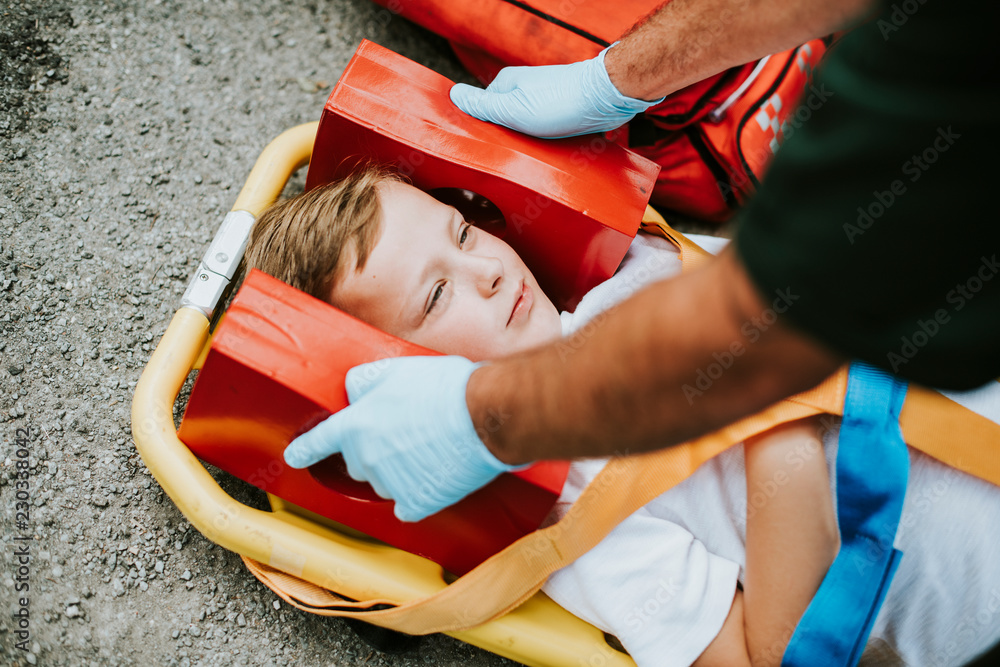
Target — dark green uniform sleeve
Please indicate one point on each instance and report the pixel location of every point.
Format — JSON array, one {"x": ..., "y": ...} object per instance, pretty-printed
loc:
[{"x": 879, "y": 215}]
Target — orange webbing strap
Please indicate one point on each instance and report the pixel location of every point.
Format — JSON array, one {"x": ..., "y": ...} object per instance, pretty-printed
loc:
[
  {"x": 692, "y": 254},
  {"x": 951, "y": 433},
  {"x": 510, "y": 577}
]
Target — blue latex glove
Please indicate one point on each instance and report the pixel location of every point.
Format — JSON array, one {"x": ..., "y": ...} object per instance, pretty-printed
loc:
[
  {"x": 407, "y": 432},
  {"x": 552, "y": 101}
]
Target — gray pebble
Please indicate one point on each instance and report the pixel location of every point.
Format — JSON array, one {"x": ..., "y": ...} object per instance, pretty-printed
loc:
[
  {"x": 186, "y": 575},
  {"x": 72, "y": 611},
  {"x": 241, "y": 621}
]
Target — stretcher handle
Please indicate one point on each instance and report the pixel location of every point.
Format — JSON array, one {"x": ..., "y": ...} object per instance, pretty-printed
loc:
[
  {"x": 278, "y": 161},
  {"x": 227, "y": 522}
]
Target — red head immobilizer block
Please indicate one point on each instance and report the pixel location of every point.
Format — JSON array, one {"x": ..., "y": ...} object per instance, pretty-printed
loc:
[
  {"x": 276, "y": 367},
  {"x": 572, "y": 206}
]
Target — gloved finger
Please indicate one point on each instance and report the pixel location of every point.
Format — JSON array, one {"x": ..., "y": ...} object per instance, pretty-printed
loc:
[
  {"x": 379, "y": 488},
  {"x": 406, "y": 512},
  {"x": 316, "y": 444},
  {"x": 364, "y": 377},
  {"x": 356, "y": 467},
  {"x": 507, "y": 109},
  {"x": 507, "y": 80},
  {"x": 466, "y": 98}
]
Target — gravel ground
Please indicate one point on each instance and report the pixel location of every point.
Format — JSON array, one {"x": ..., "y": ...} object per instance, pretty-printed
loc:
[{"x": 126, "y": 130}]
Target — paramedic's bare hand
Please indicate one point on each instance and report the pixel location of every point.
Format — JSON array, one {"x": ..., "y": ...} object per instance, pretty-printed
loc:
[
  {"x": 407, "y": 432},
  {"x": 551, "y": 101}
]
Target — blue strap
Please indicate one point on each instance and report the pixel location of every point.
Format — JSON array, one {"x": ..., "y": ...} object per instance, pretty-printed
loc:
[{"x": 872, "y": 468}]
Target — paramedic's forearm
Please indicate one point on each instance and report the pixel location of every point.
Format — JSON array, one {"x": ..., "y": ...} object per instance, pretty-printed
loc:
[
  {"x": 631, "y": 381},
  {"x": 688, "y": 40}
]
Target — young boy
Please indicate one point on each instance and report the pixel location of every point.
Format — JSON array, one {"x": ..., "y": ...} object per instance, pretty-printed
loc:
[
  {"x": 393, "y": 256},
  {"x": 700, "y": 575}
]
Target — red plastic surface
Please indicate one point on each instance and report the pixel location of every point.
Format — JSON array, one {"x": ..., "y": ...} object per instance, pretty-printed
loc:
[
  {"x": 572, "y": 206},
  {"x": 276, "y": 368}
]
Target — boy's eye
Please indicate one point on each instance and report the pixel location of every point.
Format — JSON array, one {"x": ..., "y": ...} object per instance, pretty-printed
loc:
[
  {"x": 438, "y": 291},
  {"x": 465, "y": 234}
]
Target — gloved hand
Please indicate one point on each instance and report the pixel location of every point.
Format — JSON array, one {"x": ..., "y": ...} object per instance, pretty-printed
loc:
[
  {"x": 552, "y": 101},
  {"x": 407, "y": 432}
]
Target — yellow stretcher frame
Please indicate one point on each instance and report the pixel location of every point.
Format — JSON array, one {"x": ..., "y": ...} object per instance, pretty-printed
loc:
[{"x": 539, "y": 633}]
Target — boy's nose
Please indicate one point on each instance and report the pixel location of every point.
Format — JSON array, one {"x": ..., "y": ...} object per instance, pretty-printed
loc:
[{"x": 489, "y": 275}]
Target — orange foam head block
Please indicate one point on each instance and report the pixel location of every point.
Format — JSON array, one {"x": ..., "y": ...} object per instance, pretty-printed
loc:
[
  {"x": 275, "y": 369},
  {"x": 571, "y": 206}
]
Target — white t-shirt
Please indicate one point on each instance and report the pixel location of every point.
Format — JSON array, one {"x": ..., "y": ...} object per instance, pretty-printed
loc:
[{"x": 663, "y": 581}]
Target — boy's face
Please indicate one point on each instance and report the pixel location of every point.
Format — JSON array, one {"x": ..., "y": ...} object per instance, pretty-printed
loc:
[{"x": 437, "y": 281}]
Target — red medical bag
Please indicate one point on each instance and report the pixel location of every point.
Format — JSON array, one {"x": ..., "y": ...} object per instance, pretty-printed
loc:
[
  {"x": 702, "y": 136},
  {"x": 278, "y": 358}
]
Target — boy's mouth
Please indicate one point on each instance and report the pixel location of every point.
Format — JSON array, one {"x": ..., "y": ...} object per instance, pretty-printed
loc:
[{"x": 522, "y": 304}]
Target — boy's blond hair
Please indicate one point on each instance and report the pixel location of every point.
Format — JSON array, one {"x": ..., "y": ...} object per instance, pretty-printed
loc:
[{"x": 302, "y": 240}]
